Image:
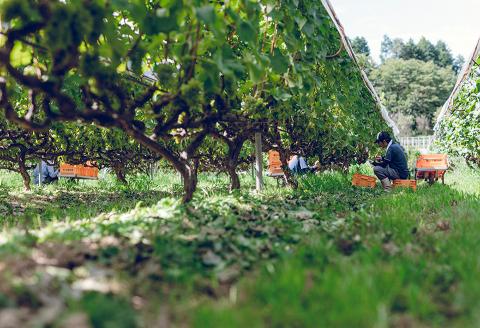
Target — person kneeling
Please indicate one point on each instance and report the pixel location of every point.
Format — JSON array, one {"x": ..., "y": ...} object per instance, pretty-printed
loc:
[
  {"x": 298, "y": 165},
  {"x": 47, "y": 174},
  {"x": 394, "y": 165}
]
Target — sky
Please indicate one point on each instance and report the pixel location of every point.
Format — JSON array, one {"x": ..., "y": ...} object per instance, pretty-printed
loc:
[{"x": 457, "y": 22}]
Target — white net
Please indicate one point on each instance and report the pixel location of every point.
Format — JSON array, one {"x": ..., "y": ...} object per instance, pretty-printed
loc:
[
  {"x": 462, "y": 77},
  {"x": 351, "y": 53}
]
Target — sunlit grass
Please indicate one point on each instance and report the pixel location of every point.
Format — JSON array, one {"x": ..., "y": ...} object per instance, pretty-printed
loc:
[
  {"x": 279, "y": 258},
  {"x": 407, "y": 259}
]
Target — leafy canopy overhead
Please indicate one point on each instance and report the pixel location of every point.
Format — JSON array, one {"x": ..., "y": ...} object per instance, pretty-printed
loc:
[{"x": 171, "y": 73}]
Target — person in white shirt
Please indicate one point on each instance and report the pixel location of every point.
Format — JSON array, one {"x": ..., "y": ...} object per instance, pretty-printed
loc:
[{"x": 298, "y": 165}]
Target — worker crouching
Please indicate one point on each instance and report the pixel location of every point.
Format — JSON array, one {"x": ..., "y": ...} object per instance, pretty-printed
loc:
[{"x": 393, "y": 165}]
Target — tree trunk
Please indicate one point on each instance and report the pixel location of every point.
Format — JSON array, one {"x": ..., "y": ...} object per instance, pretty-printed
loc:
[
  {"x": 290, "y": 179},
  {"x": 234, "y": 179},
  {"x": 292, "y": 182},
  {"x": 120, "y": 174},
  {"x": 182, "y": 165},
  {"x": 189, "y": 176},
  {"x": 234, "y": 149},
  {"x": 25, "y": 176}
]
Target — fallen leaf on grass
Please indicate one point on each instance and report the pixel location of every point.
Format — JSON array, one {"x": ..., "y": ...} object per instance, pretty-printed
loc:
[
  {"x": 211, "y": 259},
  {"x": 151, "y": 270},
  {"x": 48, "y": 313},
  {"x": 186, "y": 223},
  {"x": 62, "y": 255},
  {"x": 99, "y": 280},
  {"x": 302, "y": 214},
  {"x": 443, "y": 225},
  {"x": 405, "y": 321},
  {"x": 390, "y": 248},
  {"x": 77, "y": 320},
  {"x": 188, "y": 237},
  {"x": 13, "y": 318},
  {"x": 229, "y": 274}
]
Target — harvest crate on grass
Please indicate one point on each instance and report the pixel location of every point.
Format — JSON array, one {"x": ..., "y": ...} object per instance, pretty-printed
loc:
[
  {"x": 275, "y": 167},
  {"x": 431, "y": 167},
  {"x": 274, "y": 164},
  {"x": 78, "y": 171},
  {"x": 405, "y": 184},
  {"x": 360, "y": 180}
]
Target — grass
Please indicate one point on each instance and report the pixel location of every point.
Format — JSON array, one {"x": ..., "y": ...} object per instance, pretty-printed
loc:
[
  {"x": 407, "y": 259},
  {"x": 324, "y": 255}
]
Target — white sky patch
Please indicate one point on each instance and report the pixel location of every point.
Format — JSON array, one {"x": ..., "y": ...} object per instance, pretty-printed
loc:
[{"x": 453, "y": 21}]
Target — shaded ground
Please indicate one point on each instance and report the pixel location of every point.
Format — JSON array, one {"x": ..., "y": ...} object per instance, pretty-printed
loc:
[{"x": 358, "y": 257}]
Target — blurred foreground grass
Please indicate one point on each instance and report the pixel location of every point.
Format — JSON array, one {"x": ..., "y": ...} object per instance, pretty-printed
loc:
[{"x": 105, "y": 255}]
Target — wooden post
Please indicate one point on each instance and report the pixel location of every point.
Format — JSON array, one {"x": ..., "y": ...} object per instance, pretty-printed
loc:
[
  {"x": 39, "y": 165},
  {"x": 258, "y": 161}
]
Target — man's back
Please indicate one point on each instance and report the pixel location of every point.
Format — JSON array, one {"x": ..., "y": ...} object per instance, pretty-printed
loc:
[{"x": 397, "y": 160}]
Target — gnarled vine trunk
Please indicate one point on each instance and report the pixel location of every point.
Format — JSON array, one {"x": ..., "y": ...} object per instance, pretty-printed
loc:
[
  {"x": 234, "y": 149},
  {"x": 292, "y": 182},
  {"x": 120, "y": 173},
  {"x": 22, "y": 168},
  {"x": 190, "y": 180},
  {"x": 234, "y": 178}
]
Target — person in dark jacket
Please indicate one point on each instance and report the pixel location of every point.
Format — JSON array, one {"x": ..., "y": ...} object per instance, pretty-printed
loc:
[{"x": 393, "y": 165}]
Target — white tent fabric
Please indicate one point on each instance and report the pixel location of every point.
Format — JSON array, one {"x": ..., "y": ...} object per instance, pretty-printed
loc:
[
  {"x": 348, "y": 47},
  {"x": 464, "y": 74}
]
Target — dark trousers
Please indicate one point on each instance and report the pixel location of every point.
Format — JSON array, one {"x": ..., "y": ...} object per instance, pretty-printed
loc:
[{"x": 386, "y": 172}]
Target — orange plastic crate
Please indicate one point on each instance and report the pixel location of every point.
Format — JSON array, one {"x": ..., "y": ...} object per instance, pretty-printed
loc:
[
  {"x": 274, "y": 163},
  {"x": 431, "y": 165},
  {"x": 87, "y": 172},
  {"x": 360, "y": 180},
  {"x": 405, "y": 184},
  {"x": 432, "y": 161},
  {"x": 78, "y": 171},
  {"x": 67, "y": 170}
]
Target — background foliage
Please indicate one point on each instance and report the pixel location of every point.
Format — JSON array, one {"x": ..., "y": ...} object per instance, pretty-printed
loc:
[
  {"x": 459, "y": 131},
  {"x": 414, "y": 79},
  {"x": 172, "y": 74}
]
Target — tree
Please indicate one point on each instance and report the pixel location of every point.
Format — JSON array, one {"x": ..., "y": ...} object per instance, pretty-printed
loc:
[
  {"x": 422, "y": 50},
  {"x": 458, "y": 63},
  {"x": 391, "y": 48},
  {"x": 409, "y": 50},
  {"x": 386, "y": 48},
  {"x": 426, "y": 50},
  {"x": 21, "y": 150},
  {"x": 171, "y": 117},
  {"x": 105, "y": 148},
  {"x": 458, "y": 132},
  {"x": 414, "y": 88},
  {"x": 211, "y": 62},
  {"x": 360, "y": 46},
  {"x": 445, "y": 57},
  {"x": 229, "y": 155}
]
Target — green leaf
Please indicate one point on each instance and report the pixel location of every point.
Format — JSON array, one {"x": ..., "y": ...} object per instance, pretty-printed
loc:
[
  {"x": 246, "y": 32},
  {"x": 206, "y": 14},
  {"x": 279, "y": 62},
  {"x": 20, "y": 56},
  {"x": 300, "y": 21},
  {"x": 160, "y": 21}
]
